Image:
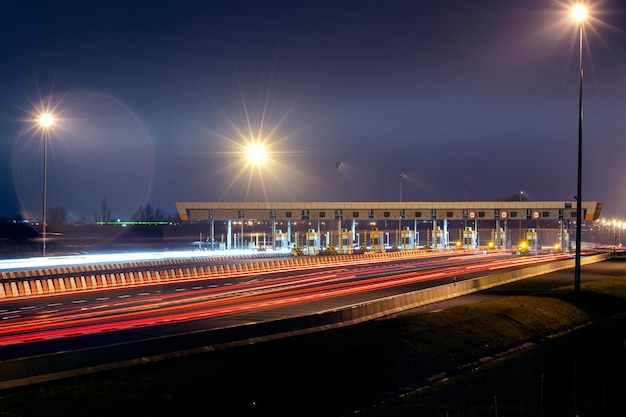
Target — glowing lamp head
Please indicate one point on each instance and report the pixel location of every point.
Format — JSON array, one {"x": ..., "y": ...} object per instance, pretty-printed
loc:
[
  {"x": 579, "y": 13},
  {"x": 45, "y": 120},
  {"x": 256, "y": 154}
]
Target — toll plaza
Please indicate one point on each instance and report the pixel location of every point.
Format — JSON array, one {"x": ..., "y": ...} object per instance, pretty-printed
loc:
[{"x": 342, "y": 227}]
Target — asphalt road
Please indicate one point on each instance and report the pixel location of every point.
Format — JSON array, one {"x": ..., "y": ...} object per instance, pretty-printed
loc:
[{"x": 175, "y": 308}]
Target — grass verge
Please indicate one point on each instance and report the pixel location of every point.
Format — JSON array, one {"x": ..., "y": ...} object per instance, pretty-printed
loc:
[{"x": 383, "y": 367}]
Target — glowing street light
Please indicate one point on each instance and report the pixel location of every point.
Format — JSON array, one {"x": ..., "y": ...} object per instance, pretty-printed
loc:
[
  {"x": 45, "y": 121},
  {"x": 400, "y": 219},
  {"x": 256, "y": 156},
  {"x": 579, "y": 14}
]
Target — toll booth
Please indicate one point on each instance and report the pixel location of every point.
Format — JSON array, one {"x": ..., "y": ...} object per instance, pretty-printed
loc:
[
  {"x": 469, "y": 239},
  {"x": 407, "y": 239},
  {"x": 312, "y": 242},
  {"x": 258, "y": 241},
  {"x": 346, "y": 242},
  {"x": 531, "y": 239},
  {"x": 440, "y": 238},
  {"x": 378, "y": 240},
  {"x": 498, "y": 237},
  {"x": 281, "y": 239},
  {"x": 562, "y": 243}
]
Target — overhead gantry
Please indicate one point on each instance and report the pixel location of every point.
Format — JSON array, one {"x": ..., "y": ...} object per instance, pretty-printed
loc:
[{"x": 499, "y": 213}]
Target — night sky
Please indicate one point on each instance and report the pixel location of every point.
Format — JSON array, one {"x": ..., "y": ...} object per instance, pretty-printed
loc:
[{"x": 155, "y": 102}]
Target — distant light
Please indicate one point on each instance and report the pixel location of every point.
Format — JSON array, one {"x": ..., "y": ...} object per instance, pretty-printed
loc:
[
  {"x": 579, "y": 13},
  {"x": 256, "y": 153},
  {"x": 45, "y": 120},
  {"x": 123, "y": 223}
]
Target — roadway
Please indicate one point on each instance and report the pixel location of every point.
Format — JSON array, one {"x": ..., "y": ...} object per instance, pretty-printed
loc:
[{"x": 45, "y": 324}]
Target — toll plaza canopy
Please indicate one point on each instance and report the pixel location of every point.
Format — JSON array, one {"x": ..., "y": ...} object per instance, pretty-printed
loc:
[{"x": 474, "y": 210}]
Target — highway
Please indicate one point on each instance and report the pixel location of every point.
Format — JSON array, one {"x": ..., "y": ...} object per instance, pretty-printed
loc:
[{"x": 46, "y": 324}]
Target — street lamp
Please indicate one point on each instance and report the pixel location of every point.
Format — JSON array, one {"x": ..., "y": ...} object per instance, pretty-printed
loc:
[
  {"x": 256, "y": 155},
  {"x": 521, "y": 193},
  {"x": 400, "y": 219},
  {"x": 337, "y": 164},
  {"x": 401, "y": 176},
  {"x": 466, "y": 208},
  {"x": 45, "y": 121},
  {"x": 579, "y": 14},
  {"x": 337, "y": 185}
]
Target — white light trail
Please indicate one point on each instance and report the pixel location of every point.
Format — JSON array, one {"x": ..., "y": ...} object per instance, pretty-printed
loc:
[{"x": 56, "y": 261}]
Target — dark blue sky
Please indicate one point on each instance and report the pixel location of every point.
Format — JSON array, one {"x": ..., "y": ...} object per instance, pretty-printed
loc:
[{"x": 155, "y": 99}]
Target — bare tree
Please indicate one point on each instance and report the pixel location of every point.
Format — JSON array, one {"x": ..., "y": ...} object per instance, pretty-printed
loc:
[
  {"x": 57, "y": 216},
  {"x": 149, "y": 214},
  {"x": 105, "y": 212}
]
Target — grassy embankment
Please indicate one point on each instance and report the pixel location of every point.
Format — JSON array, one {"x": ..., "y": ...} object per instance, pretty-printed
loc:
[{"x": 369, "y": 367}]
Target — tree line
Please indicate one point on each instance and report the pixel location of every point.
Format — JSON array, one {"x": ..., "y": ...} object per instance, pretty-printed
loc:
[
  {"x": 145, "y": 213},
  {"x": 60, "y": 215}
]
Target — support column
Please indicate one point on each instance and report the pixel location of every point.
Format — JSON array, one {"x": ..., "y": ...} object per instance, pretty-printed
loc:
[
  {"x": 339, "y": 220},
  {"x": 319, "y": 233},
  {"x": 476, "y": 230},
  {"x": 506, "y": 235},
  {"x": 289, "y": 240},
  {"x": 399, "y": 238},
  {"x": 353, "y": 230},
  {"x": 497, "y": 235},
  {"x": 229, "y": 235},
  {"x": 274, "y": 233}
]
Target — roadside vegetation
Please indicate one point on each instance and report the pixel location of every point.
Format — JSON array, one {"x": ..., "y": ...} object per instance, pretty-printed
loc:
[{"x": 550, "y": 352}]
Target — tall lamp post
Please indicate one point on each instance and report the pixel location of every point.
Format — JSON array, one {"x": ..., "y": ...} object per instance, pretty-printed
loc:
[
  {"x": 466, "y": 208},
  {"x": 45, "y": 120},
  {"x": 400, "y": 218},
  {"x": 337, "y": 164},
  {"x": 521, "y": 193},
  {"x": 579, "y": 13},
  {"x": 401, "y": 176}
]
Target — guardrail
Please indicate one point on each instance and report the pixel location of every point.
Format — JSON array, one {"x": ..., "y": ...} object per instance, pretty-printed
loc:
[{"x": 105, "y": 276}]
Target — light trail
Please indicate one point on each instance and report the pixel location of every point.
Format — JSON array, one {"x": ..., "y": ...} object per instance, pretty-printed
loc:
[
  {"x": 122, "y": 257},
  {"x": 216, "y": 301}
]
